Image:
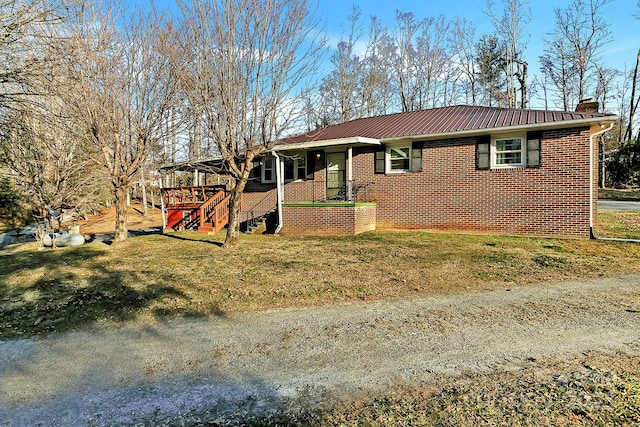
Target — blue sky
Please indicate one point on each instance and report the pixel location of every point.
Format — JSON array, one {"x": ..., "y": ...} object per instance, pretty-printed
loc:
[
  {"x": 619, "y": 13},
  {"x": 620, "y": 53}
]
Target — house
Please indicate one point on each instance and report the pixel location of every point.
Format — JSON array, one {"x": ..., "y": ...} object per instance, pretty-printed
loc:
[{"x": 463, "y": 168}]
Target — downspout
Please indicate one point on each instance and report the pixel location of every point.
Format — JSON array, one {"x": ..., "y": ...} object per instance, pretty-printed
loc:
[{"x": 279, "y": 193}]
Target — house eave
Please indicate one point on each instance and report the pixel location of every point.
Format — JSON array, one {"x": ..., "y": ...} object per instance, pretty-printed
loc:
[{"x": 353, "y": 141}]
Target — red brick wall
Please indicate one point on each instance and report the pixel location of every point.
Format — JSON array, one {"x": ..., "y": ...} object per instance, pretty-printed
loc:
[
  {"x": 329, "y": 220},
  {"x": 450, "y": 194}
]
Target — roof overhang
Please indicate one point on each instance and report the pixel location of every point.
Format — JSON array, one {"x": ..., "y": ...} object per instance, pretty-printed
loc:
[
  {"x": 594, "y": 122},
  {"x": 354, "y": 141}
]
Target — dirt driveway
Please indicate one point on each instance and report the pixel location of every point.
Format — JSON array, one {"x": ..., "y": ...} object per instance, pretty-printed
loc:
[{"x": 115, "y": 376}]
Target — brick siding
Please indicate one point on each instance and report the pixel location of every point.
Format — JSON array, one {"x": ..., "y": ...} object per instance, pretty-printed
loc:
[
  {"x": 328, "y": 220},
  {"x": 450, "y": 194}
]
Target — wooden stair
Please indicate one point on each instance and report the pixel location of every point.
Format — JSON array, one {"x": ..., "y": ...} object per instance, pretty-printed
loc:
[{"x": 201, "y": 209}]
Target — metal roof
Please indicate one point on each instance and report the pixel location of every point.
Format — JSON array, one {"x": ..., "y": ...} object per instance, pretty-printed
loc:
[{"x": 448, "y": 121}]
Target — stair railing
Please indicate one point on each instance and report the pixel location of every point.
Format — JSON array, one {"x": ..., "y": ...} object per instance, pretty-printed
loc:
[{"x": 215, "y": 211}]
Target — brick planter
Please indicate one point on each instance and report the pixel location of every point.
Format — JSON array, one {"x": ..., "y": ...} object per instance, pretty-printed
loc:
[{"x": 328, "y": 218}]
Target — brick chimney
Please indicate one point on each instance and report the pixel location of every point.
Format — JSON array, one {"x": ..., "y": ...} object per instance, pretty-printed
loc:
[{"x": 587, "y": 105}]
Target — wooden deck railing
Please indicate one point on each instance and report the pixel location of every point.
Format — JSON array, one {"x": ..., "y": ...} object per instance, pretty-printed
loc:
[{"x": 215, "y": 212}]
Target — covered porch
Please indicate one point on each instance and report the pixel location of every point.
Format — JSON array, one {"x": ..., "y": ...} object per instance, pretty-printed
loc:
[{"x": 329, "y": 200}]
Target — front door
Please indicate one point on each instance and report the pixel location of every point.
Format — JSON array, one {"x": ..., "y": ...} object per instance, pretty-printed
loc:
[{"x": 336, "y": 175}]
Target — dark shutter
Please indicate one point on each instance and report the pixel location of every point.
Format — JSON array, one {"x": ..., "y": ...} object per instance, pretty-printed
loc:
[
  {"x": 534, "y": 146},
  {"x": 379, "y": 159},
  {"x": 311, "y": 164},
  {"x": 416, "y": 157},
  {"x": 483, "y": 152}
]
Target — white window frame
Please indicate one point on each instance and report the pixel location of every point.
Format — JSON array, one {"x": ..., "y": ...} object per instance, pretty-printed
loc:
[
  {"x": 522, "y": 151},
  {"x": 296, "y": 160},
  {"x": 387, "y": 158},
  {"x": 264, "y": 168}
]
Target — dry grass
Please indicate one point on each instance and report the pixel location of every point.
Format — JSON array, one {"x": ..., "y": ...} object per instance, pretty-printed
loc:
[
  {"x": 616, "y": 194},
  {"x": 619, "y": 224},
  {"x": 160, "y": 276},
  {"x": 592, "y": 390},
  {"x": 185, "y": 274}
]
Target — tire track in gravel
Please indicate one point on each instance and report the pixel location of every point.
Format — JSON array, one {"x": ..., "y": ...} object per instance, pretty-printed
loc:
[{"x": 115, "y": 376}]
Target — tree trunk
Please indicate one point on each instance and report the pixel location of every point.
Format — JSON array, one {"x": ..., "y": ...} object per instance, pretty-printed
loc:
[
  {"x": 153, "y": 200},
  {"x": 632, "y": 110},
  {"x": 143, "y": 185},
  {"x": 121, "y": 212},
  {"x": 233, "y": 228}
]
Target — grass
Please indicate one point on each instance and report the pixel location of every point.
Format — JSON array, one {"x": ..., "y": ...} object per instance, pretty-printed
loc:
[
  {"x": 585, "y": 392},
  {"x": 619, "y": 224},
  {"x": 161, "y": 276},
  {"x": 614, "y": 194},
  {"x": 568, "y": 395}
]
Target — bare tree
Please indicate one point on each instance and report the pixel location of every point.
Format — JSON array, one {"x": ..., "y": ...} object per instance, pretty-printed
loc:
[
  {"x": 579, "y": 35},
  {"x": 511, "y": 27},
  {"x": 44, "y": 156},
  {"x": 635, "y": 97},
  {"x": 340, "y": 87},
  {"x": 558, "y": 69},
  {"x": 22, "y": 24},
  {"x": 463, "y": 58},
  {"x": 251, "y": 59},
  {"x": 123, "y": 87},
  {"x": 45, "y": 159},
  {"x": 375, "y": 81}
]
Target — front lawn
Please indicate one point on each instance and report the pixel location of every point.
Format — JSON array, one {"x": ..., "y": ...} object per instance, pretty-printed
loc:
[{"x": 160, "y": 276}]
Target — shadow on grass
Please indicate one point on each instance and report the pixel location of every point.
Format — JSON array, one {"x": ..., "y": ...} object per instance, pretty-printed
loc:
[
  {"x": 76, "y": 289},
  {"x": 190, "y": 239}
]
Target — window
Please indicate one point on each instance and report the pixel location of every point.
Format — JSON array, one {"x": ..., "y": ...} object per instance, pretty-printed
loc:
[
  {"x": 394, "y": 159},
  {"x": 268, "y": 169},
  {"x": 508, "y": 152},
  {"x": 295, "y": 168},
  {"x": 256, "y": 170},
  {"x": 399, "y": 158}
]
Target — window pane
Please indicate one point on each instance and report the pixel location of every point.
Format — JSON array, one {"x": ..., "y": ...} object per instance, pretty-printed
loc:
[
  {"x": 268, "y": 169},
  {"x": 399, "y": 164},
  {"x": 508, "y": 144},
  {"x": 508, "y": 158},
  {"x": 288, "y": 168},
  {"x": 399, "y": 158},
  {"x": 302, "y": 170}
]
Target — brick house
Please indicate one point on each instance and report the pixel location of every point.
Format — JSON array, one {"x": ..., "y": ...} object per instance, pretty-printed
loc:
[{"x": 476, "y": 169}]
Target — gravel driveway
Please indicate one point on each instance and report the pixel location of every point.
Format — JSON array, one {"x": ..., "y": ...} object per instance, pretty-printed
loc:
[{"x": 115, "y": 376}]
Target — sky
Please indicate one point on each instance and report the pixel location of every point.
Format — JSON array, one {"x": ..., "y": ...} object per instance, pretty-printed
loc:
[
  {"x": 622, "y": 15},
  {"x": 619, "y": 13}
]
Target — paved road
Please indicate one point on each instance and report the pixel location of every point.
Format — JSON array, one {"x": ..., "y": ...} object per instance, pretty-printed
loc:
[{"x": 615, "y": 205}]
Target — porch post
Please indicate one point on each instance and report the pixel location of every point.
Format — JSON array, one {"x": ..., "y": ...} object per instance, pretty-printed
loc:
[
  {"x": 349, "y": 172},
  {"x": 196, "y": 178}
]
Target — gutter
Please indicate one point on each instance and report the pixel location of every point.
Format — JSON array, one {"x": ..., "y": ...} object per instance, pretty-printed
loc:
[
  {"x": 591, "y": 195},
  {"x": 279, "y": 193}
]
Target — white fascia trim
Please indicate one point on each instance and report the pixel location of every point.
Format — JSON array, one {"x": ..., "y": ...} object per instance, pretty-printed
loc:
[
  {"x": 507, "y": 129},
  {"x": 327, "y": 143}
]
